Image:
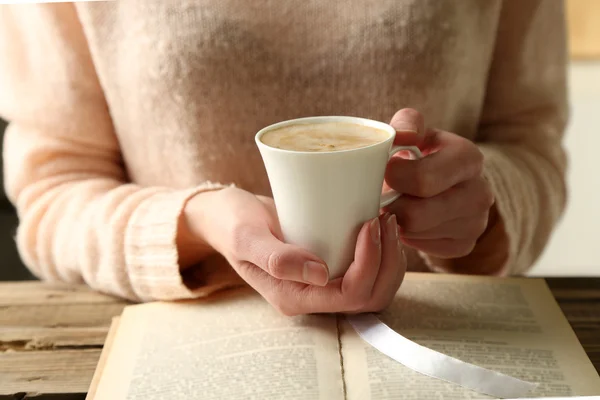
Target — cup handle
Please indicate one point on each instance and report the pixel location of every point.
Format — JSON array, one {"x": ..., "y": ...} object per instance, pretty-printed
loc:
[{"x": 390, "y": 196}]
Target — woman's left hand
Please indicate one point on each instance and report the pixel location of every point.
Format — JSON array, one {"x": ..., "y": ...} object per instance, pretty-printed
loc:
[{"x": 446, "y": 201}]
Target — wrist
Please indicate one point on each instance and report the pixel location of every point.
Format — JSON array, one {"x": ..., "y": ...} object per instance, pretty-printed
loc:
[{"x": 192, "y": 247}]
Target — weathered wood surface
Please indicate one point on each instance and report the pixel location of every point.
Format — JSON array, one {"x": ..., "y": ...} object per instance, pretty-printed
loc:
[{"x": 51, "y": 335}]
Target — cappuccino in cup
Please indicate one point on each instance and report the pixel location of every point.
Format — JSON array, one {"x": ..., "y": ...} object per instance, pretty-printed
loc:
[{"x": 323, "y": 137}]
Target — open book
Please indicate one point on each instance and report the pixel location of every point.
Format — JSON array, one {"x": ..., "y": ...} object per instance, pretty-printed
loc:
[{"x": 235, "y": 346}]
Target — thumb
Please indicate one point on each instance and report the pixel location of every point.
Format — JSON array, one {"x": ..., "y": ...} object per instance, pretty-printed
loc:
[
  {"x": 410, "y": 127},
  {"x": 281, "y": 260}
]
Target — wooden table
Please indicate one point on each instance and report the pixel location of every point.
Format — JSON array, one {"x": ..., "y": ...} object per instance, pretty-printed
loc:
[{"x": 51, "y": 335}]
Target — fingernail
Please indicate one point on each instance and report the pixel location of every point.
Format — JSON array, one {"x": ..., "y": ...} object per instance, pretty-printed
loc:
[
  {"x": 405, "y": 127},
  {"x": 375, "y": 229},
  {"x": 392, "y": 227},
  {"x": 315, "y": 273}
]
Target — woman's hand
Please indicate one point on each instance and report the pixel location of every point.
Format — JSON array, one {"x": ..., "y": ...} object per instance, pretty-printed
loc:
[
  {"x": 245, "y": 230},
  {"x": 446, "y": 201}
]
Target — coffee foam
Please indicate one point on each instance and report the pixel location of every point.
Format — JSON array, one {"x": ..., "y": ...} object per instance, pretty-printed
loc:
[{"x": 323, "y": 137}]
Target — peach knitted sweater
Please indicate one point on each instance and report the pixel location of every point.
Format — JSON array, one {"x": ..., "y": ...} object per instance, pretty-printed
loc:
[{"x": 121, "y": 111}]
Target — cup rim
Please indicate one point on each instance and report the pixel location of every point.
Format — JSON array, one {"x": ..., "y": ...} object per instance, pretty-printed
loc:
[{"x": 321, "y": 119}]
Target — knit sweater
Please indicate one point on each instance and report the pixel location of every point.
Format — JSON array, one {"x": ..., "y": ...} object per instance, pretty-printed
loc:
[{"x": 121, "y": 111}]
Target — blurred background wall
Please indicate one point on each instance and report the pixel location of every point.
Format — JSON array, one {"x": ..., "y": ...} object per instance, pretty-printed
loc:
[{"x": 575, "y": 246}]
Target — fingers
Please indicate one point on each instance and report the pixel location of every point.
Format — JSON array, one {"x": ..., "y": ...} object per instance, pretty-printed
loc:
[
  {"x": 392, "y": 270},
  {"x": 354, "y": 289},
  {"x": 460, "y": 228},
  {"x": 371, "y": 281},
  {"x": 410, "y": 127},
  {"x": 362, "y": 273},
  {"x": 443, "y": 248},
  {"x": 283, "y": 261},
  {"x": 369, "y": 285},
  {"x": 418, "y": 215},
  {"x": 457, "y": 160}
]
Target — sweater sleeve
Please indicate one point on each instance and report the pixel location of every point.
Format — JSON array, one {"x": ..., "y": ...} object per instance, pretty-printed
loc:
[
  {"x": 520, "y": 134},
  {"x": 80, "y": 220}
]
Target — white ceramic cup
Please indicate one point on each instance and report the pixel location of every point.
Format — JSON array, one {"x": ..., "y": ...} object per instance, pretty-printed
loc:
[{"x": 323, "y": 198}]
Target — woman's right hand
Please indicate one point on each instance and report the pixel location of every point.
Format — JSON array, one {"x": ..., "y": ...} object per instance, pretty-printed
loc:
[{"x": 245, "y": 230}]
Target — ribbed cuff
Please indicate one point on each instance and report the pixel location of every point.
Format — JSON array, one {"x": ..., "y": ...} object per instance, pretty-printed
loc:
[{"x": 150, "y": 246}]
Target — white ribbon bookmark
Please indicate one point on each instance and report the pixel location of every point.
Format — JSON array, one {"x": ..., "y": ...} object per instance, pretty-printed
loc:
[{"x": 435, "y": 364}]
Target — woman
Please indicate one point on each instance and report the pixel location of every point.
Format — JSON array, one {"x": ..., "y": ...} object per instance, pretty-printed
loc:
[{"x": 131, "y": 161}]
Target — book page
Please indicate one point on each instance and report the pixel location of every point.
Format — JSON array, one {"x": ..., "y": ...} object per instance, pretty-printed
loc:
[
  {"x": 231, "y": 346},
  {"x": 513, "y": 326},
  {"x": 108, "y": 342}
]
